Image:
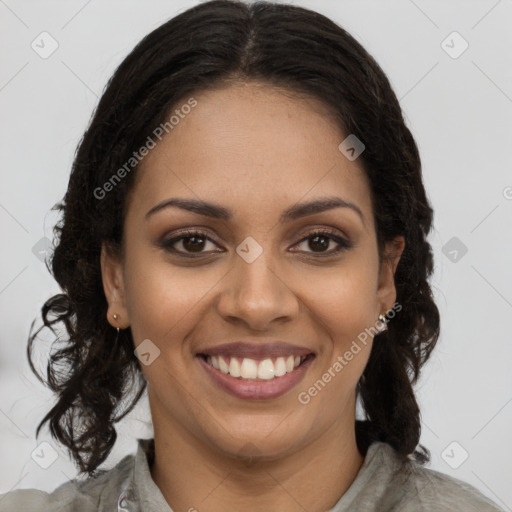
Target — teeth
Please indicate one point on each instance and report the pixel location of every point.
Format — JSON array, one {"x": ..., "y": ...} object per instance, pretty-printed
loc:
[
  {"x": 249, "y": 369},
  {"x": 234, "y": 367},
  {"x": 280, "y": 367},
  {"x": 222, "y": 365},
  {"x": 266, "y": 369}
]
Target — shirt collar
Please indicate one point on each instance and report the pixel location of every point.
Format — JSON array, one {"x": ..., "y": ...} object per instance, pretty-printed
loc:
[{"x": 148, "y": 496}]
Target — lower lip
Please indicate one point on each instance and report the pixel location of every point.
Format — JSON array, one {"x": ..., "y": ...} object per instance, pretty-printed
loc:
[{"x": 257, "y": 389}]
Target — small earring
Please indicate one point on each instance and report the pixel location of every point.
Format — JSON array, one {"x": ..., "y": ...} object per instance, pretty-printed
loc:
[
  {"x": 116, "y": 316},
  {"x": 384, "y": 321}
]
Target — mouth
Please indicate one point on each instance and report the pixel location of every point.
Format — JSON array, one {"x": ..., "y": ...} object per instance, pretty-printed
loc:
[
  {"x": 258, "y": 377},
  {"x": 255, "y": 369}
]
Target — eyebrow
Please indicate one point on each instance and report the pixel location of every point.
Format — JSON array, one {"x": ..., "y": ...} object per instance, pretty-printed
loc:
[{"x": 295, "y": 212}]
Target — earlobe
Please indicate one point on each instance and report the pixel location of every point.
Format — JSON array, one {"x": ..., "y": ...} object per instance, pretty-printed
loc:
[{"x": 113, "y": 287}]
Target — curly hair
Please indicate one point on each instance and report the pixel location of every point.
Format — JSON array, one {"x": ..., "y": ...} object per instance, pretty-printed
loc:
[{"x": 96, "y": 375}]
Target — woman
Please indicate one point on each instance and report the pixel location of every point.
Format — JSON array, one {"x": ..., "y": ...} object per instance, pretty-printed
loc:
[{"x": 244, "y": 235}]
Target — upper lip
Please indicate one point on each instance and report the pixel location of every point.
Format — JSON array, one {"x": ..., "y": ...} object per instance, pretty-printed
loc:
[{"x": 256, "y": 350}]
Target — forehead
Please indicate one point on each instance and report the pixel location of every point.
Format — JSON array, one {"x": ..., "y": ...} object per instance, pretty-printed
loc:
[{"x": 255, "y": 146}]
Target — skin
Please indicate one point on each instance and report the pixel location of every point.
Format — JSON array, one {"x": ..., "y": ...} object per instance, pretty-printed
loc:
[{"x": 256, "y": 151}]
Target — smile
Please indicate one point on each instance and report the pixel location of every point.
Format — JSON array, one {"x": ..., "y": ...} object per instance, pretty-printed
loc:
[
  {"x": 258, "y": 379},
  {"x": 247, "y": 368}
]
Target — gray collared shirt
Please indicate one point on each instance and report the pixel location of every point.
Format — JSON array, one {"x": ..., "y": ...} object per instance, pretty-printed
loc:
[{"x": 378, "y": 487}]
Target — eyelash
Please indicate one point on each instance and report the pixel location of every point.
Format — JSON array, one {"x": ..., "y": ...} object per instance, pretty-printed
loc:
[{"x": 342, "y": 243}]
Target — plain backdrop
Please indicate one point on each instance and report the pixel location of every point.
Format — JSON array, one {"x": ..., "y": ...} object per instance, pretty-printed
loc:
[{"x": 458, "y": 104}]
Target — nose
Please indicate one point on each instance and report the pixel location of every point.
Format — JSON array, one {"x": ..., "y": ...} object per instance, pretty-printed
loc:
[{"x": 257, "y": 295}]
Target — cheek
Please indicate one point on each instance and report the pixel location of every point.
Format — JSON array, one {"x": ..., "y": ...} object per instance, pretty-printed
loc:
[
  {"x": 345, "y": 313},
  {"x": 162, "y": 298},
  {"x": 343, "y": 302},
  {"x": 343, "y": 299}
]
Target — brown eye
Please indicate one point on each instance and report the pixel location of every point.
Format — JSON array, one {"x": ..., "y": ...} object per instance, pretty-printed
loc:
[
  {"x": 320, "y": 241},
  {"x": 193, "y": 243},
  {"x": 189, "y": 243}
]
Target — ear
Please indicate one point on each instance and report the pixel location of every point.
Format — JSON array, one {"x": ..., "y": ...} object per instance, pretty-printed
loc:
[
  {"x": 114, "y": 288},
  {"x": 386, "y": 291}
]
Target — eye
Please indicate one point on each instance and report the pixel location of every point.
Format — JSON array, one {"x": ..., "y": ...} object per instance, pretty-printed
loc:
[
  {"x": 188, "y": 243},
  {"x": 319, "y": 241},
  {"x": 191, "y": 243}
]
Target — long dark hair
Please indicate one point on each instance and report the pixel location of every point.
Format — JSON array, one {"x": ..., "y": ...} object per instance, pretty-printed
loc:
[{"x": 97, "y": 378}]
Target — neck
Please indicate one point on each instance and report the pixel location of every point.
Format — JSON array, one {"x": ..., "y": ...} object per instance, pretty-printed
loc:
[{"x": 193, "y": 476}]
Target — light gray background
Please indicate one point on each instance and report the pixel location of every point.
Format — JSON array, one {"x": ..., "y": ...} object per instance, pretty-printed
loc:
[{"x": 459, "y": 110}]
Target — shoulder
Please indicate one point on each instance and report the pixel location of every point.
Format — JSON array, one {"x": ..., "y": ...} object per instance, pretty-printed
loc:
[
  {"x": 438, "y": 492},
  {"x": 420, "y": 489},
  {"x": 91, "y": 495}
]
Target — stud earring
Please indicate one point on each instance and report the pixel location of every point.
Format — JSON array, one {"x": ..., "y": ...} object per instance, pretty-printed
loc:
[
  {"x": 384, "y": 321},
  {"x": 116, "y": 316}
]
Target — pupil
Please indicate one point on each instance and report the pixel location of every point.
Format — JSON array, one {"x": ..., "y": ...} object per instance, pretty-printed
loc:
[
  {"x": 192, "y": 243},
  {"x": 315, "y": 239}
]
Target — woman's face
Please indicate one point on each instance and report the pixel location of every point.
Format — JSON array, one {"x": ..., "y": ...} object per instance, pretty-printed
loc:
[{"x": 250, "y": 275}]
